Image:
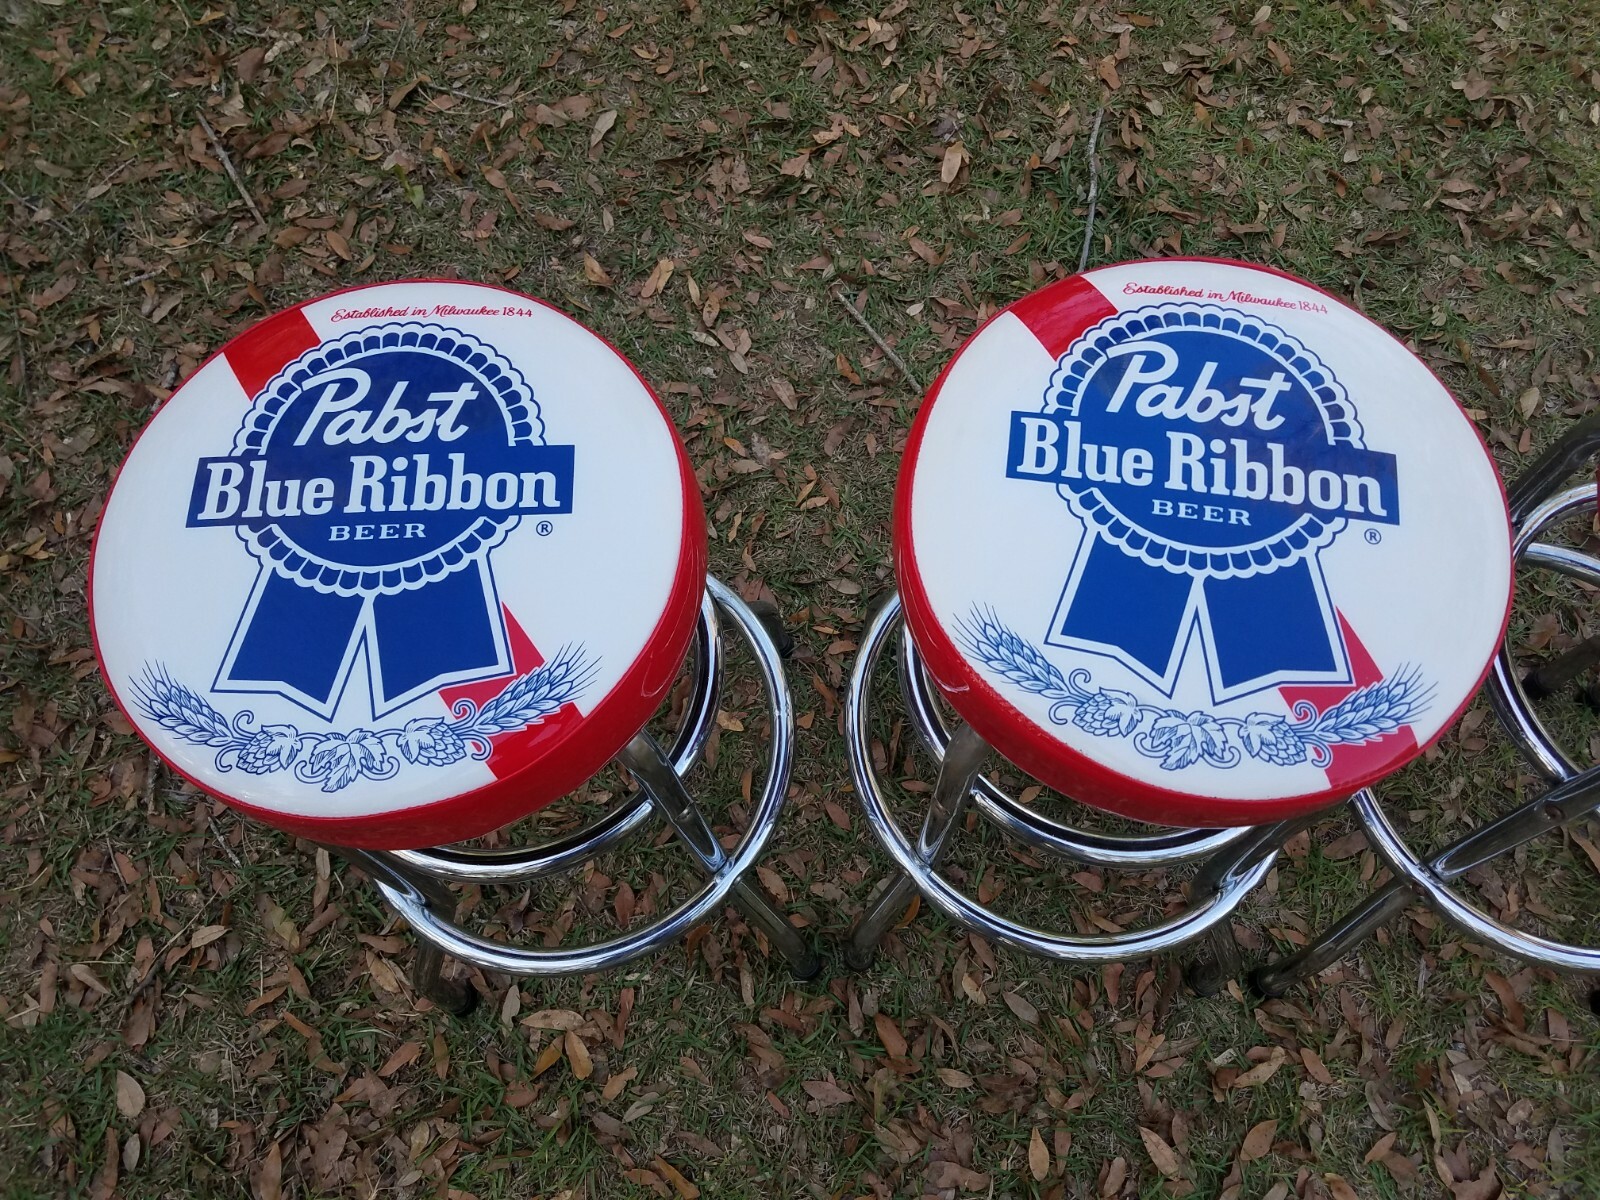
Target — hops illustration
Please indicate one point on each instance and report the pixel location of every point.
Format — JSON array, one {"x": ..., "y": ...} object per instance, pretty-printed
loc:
[
  {"x": 1109, "y": 713},
  {"x": 1181, "y": 739},
  {"x": 272, "y": 748},
  {"x": 430, "y": 741},
  {"x": 1273, "y": 739},
  {"x": 337, "y": 759}
]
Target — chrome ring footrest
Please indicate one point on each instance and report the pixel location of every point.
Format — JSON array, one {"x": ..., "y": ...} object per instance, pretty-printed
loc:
[
  {"x": 413, "y": 882},
  {"x": 1239, "y": 859}
]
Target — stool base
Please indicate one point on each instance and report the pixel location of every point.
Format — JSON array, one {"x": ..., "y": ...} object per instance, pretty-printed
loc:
[
  {"x": 1537, "y": 502},
  {"x": 1430, "y": 879},
  {"x": 458, "y": 998},
  {"x": 962, "y": 761},
  {"x": 1236, "y": 860},
  {"x": 415, "y": 883}
]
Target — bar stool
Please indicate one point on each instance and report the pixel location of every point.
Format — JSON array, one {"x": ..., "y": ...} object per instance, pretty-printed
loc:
[
  {"x": 1187, "y": 541},
  {"x": 1539, "y": 502},
  {"x": 402, "y": 565}
]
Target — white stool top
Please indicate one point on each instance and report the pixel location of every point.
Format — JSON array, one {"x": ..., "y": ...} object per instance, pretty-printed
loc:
[
  {"x": 1195, "y": 542},
  {"x": 399, "y": 565}
]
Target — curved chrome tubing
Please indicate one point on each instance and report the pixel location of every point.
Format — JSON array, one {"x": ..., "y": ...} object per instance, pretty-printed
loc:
[
  {"x": 1239, "y": 859},
  {"x": 1507, "y": 695},
  {"x": 413, "y": 882},
  {"x": 1021, "y": 822},
  {"x": 1536, "y": 503},
  {"x": 517, "y": 864}
]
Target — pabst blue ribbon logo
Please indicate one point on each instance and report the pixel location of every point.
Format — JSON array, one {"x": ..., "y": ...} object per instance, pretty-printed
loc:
[
  {"x": 372, "y": 478},
  {"x": 1211, "y": 457}
]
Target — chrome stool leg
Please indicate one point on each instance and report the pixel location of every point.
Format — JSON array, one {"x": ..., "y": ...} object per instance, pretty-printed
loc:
[
  {"x": 963, "y": 760},
  {"x": 1558, "y": 807},
  {"x": 1568, "y": 802},
  {"x": 1332, "y": 944},
  {"x": 1208, "y": 973},
  {"x": 456, "y": 997},
  {"x": 656, "y": 776},
  {"x": 1536, "y": 502},
  {"x": 1244, "y": 855},
  {"x": 414, "y": 882}
]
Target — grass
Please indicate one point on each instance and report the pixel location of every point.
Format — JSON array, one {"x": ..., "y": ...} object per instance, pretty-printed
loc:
[{"x": 1436, "y": 163}]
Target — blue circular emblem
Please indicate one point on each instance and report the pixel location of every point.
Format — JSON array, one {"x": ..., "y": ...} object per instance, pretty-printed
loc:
[
  {"x": 1210, "y": 456},
  {"x": 404, "y": 430},
  {"x": 1207, "y": 441},
  {"x": 372, "y": 477}
]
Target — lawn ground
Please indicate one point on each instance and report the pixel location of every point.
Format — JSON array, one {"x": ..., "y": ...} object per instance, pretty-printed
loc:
[{"x": 194, "y": 1006}]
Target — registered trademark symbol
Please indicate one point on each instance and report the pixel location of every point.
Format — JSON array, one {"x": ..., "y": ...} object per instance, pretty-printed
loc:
[
  {"x": 1373, "y": 536},
  {"x": 545, "y": 528}
]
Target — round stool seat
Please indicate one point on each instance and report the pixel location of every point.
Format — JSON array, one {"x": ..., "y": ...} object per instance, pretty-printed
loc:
[
  {"x": 400, "y": 565},
  {"x": 1196, "y": 543}
]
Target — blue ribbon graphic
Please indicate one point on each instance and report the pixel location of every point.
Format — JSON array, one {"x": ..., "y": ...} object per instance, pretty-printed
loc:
[
  {"x": 1128, "y": 609},
  {"x": 372, "y": 478},
  {"x": 302, "y": 642},
  {"x": 1210, "y": 457}
]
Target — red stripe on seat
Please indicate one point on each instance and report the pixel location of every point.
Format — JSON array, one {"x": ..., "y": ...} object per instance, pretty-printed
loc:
[
  {"x": 513, "y": 751},
  {"x": 271, "y": 346},
  {"x": 1355, "y": 762},
  {"x": 1059, "y": 313}
]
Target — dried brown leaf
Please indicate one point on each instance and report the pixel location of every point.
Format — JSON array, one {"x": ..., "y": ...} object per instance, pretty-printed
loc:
[
  {"x": 268, "y": 1183},
  {"x": 1262, "y": 1072},
  {"x": 1258, "y": 1141},
  {"x": 924, "y": 251},
  {"x": 826, "y": 1093},
  {"x": 1116, "y": 1176},
  {"x": 404, "y": 1055},
  {"x": 1485, "y": 1187},
  {"x": 685, "y": 1189},
  {"x": 548, "y": 1057},
  {"x": 1345, "y": 847},
  {"x": 1161, "y": 1154},
  {"x": 1024, "y": 1010},
  {"x": 553, "y": 1018},
  {"x": 130, "y": 1096},
  {"x": 595, "y": 273},
  {"x": 955, "y": 157},
  {"x": 1315, "y": 1066},
  {"x": 1038, "y": 1156},
  {"x": 56, "y": 292},
  {"x": 1379, "y": 1148},
  {"x": 657, "y": 282},
  {"x": 602, "y": 126},
  {"x": 441, "y": 1056},
  {"x": 578, "y": 1056},
  {"x": 891, "y": 1037}
]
